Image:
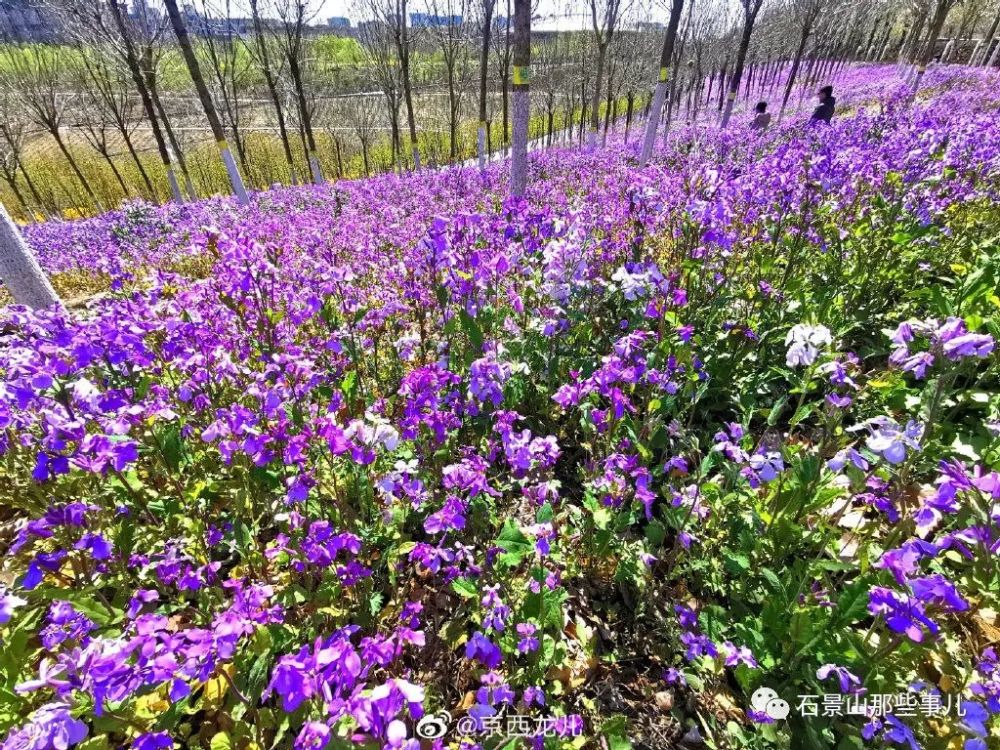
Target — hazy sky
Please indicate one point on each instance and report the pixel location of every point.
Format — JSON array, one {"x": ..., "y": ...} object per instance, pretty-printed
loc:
[{"x": 570, "y": 12}]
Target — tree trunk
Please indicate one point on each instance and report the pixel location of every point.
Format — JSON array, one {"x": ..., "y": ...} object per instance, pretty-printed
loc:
[
  {"x": 988, "y": 39},
  {"x": 595, "y": 104},
  {"x": 130, "y": 147},
  {"x": 184, "y": 41},
  {"x": 940, "y": 16},
  {"x": 42, "y": 206},
  {"x": 115, "y": 171},
  {"x": 12, "y": 181},
  {"x": 76, "y": 168},
  {"x": 19, "y": 269},
  {"x": 403, "y": 44},
  {"x": 736, "y": 77},
  {"x": 305, "y": 117},
  {"x": 796, "y": 62},
  {"x": 484, "y": 61},
  {"x": 272, "y": 87},
  {"x": 522, "y": 97},
  {"x": 135, "y": 70},
  {"x": 660, "y": 93},
  {"x": 161, "y": 112}
]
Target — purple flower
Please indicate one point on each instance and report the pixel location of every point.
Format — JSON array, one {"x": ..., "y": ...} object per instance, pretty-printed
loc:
[
  {"x": 937, "y": 590},
  {"x": 8, "y": 603},
  {"x": 51, "y": 727},
  {"x": 528, "y": 642},
  {"x": 847, "y": 455},
  {"x": 903, "y": 613},
  {"x": 482, "y": 648},
  {"x": 314, "y": 735},
  {"x": 847, "y": 679},
  {"x": 888, "y": 440},
  {"x": 969, "y": 345},
  {"x": 152, "y": 741}
]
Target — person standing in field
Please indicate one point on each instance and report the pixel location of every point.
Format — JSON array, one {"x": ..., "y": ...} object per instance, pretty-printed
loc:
[
  {"x": 762, "y": 120},
  {"x": 827, "y": 106}
]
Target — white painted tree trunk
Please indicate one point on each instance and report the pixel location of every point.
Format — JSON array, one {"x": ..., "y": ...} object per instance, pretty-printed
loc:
[
  {"x": 659, "y": 97},
  {"x": 975, "y": 53},
  {"x": 317, "y": 173},
  {"x": 993, "y": 57},
  {"x": 19, "y": 269},
  {"x": 482, "y": 146},
  {"x": 235, "y": 178},
  {"x": 175, "y": 186},
  {"x": 727, "y": 115},
  {"x": 520, "y": 106}
]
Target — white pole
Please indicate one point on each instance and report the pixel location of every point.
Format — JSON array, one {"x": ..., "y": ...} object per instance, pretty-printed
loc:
[
  {"x": 19, "y": 269},
  {"x": 234, "y": 174}
]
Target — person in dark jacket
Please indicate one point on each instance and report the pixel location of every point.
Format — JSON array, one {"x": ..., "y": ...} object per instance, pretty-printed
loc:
[{"x": 827, "y": 106}]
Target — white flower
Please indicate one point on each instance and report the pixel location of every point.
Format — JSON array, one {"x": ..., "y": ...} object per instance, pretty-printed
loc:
[
  {"x": 633, "y": 285},
  {"x": 803, "y": 343}
]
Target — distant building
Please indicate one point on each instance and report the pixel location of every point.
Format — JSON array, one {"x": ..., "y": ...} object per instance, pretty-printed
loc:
[
  {"x": 429, "y": 20},
  {"x": 203, "y": 25},
  {"x": 339, "y": 22},
  {"x": 651, "y": 26},
  {"x": 145, "y": 16},
  {"x": 28, "y": 21}
]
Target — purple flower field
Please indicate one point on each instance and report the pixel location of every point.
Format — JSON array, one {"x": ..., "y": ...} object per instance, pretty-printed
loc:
[{"x": 702, "y": 454}]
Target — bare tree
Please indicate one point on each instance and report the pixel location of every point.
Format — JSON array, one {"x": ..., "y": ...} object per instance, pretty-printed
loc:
[
  {"x": 107, "y": 89},
  {"x": 487, "y": 12},
  {"x": 449, "y": 36},
  {"x": 97, "y": 131},
  {"x": 604, "y": 17},
  {"x": 941, "y": 10},
  {"x": 103, "y": 22},
  {"x": 985, "y": 57},
  {"x": 660, "y": 93},
  {"x": 392, "y": 16},
  {"x": 295, "y": 16},
  {"x": 379, "y": 57},
  {"x": 205, "y": 96},
  {"x": 521, "y": 97},
  {"x": 35, "y": 73},
  {"x": 362, "y": 113},
  {"x": 229, "y": 71},
  {"x": 263, "y": 52},
  {"x": 751, "y": 8},
  {"x": 12, "y": 141},
  {"x": 805, "y": 14}
]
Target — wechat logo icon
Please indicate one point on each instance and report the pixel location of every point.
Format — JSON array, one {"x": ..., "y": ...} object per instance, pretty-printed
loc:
[{"x": 766, "y": 701}]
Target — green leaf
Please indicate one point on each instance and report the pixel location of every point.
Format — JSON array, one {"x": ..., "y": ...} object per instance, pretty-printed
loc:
[
  {"x": 514, "y": 543},
  {"x": 472, "y": 330},
  {"x": 465, "y": 588},
  {"x": 852, "y": 606},
  {"x": 775, "y": 414}
]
